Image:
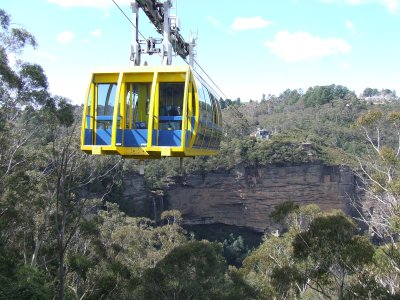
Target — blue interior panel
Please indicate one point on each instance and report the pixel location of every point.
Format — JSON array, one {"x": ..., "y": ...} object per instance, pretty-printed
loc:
[
  {"x": 119, "y": 136},
  {"x": 169, "y": 138},
  {"x": 103, "y": 137},
  {"x": 88, "y": 137},
  {"x": 188, "y": 137},
  {"x": 170, "y": 118},
  {"x": 135, "y": 137}
]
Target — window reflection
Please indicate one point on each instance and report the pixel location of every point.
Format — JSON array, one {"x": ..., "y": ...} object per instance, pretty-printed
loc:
[
  {"x": 137, "y": 105},
  {"x": 170, "y": 105},
  {"x": 209, "y": 129},
  {"x": 105, "y": 104},
  {"x": 105, "y": 98}
]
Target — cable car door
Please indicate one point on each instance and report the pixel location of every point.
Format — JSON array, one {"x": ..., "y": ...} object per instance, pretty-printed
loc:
[
  {"x": 105, "y": 98},
  {"x": 170, "y": 113}
]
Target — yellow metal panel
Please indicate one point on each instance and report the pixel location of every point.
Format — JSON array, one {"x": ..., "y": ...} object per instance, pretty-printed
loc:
[
  {"x": 130, "y": 87},
  {"x": 200, "y": 152},
  {"x": 153, "y": 98},
  {"x": 84, "y": 116},
  {"x": 92, "y": 105},
  {"x": 185, "y": 105},
  {"x": 132, "y": 151},
  {"x": 156, "y": 107},
  {"x": 172, "y": 77},
  {"x": 141, "y": 103},
  {"x": 116, "y": 112},
  {"x": 95, "y": 96},
  {"x": 138, "y": 77},
  {"x": 122, "y": 106},
  {"x": 190, "y": 101},
  {"x": 96, "y": 150},
  {"x": 165, "y": 151},
  {"x": 105, "y": 78},
  {"x": 196, "y": 124}
]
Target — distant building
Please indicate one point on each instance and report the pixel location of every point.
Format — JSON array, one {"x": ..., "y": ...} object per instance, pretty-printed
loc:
[
  {"x": 380, "y": 99},
  {"x": 261, "y": 134}
]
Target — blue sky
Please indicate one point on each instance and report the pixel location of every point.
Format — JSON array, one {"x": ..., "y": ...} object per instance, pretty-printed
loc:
[{"x": 249, "y": 48}]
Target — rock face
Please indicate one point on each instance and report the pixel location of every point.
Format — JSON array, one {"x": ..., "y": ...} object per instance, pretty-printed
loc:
[
  {"x": 135, "y": 197},
  {"x": 246, "y": 196}
]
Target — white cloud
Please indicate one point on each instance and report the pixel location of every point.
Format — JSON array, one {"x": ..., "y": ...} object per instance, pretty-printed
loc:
[
  {"x": 65, "y": 37},
  {"x": 214, "y": 22},
  {"x": 349, "y": 25},
  {"x": 96, "y": 33},
  {"x": 345, "y": 65},
  {"x": 302, "y": 46},
  {"x": 392, "y": 5},
  {"x": 88, "y": 3},
  {"x": 249, "y": 23}
]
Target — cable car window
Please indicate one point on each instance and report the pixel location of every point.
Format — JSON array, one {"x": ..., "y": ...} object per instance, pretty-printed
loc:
[
  {"x": 137, "y": 105},
  {"x": 208, "y": 129},
  {"x": 213, "y": 121},
  {"x": 89, "y": 102},
  {"x": 200, "y": 134},
  {"x": 193, "y": 102},
  {"x": 170, "y": 104},
  {"x": 105, "y": 98},
  {"x": 208, "y": 103},
  {"x": 129, "y": 105},
  {"x": 105, "y": 104},
  {"x": 219, "y": 115},
  {"x": 202, "y": 104}
]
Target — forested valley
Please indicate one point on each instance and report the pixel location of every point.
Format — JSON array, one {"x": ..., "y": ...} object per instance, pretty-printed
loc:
[{"x": 62, "y": 235}]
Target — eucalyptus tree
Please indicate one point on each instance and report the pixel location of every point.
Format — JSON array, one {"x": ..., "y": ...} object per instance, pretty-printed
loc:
[
  {"x": 44, "y": 177},
  {"x": 379, "y": 174}
]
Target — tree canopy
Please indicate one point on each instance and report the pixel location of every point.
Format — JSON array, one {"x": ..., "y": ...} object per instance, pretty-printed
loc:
[{"x": 62, "y": 235}]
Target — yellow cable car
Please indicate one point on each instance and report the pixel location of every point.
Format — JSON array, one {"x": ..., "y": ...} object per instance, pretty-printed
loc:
[{"x": 151, "y": 112}]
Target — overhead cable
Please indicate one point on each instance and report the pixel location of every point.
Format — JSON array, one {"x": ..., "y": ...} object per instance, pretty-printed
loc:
[{"x": 129, "y": 20}]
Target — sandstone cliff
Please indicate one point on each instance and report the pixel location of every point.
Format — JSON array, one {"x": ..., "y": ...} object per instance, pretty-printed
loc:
[{"x": 245, "y": 196}]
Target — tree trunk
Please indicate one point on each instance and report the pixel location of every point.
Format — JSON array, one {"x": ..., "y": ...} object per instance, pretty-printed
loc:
[
  {"x": 61, "y": 272},
  {"x": 61, "y": 278}
]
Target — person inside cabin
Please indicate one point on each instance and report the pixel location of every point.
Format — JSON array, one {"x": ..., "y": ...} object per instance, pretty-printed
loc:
[
  {"x": 173, "y": 111},
  {"x": 163, "y": 110}
]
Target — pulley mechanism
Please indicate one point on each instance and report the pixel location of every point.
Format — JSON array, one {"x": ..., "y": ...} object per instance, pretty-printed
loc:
[{"x": 159, "y": 14}]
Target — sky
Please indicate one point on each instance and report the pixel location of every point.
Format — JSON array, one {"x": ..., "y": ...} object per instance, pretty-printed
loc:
[{"x": 248, "y": 48}]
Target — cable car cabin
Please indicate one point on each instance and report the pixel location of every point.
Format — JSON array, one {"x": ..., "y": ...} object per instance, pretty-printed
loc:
[{"x": 151, "y": 112}]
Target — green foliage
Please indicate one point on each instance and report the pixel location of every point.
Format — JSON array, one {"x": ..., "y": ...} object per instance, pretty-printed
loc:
[
  {"x": 386, "y": 259},
  {"x": 370, "y": 118},
  {"x": 333, "y": 252},
  {"x": 14, "y": 39},
  {"x": 373, "y": 92},
  {"x": 324, "y": 237},
  {"x": 259, "y": 266},
  {"x": 59, "y": 238},
  {"x": 320, "y": 95},
  {"x": 236, "y": 287},
  {"x": 282, "y": 210},
  {"x": 195, "y": 270},
  {"x": 235, "y": 250},
  {"x": 26, "y": 283},
  {"x": 320, "y": 256},
  {"x": 369, "y": 92},
  {"x": 171, "y": 217}
]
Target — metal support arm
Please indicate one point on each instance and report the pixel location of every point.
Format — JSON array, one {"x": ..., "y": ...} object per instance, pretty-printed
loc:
[{"x": 159, "y": 14}]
